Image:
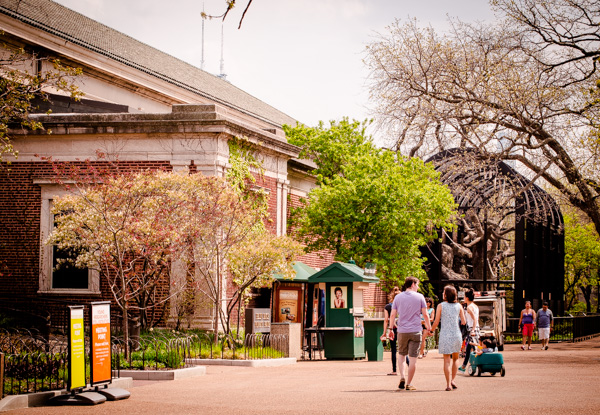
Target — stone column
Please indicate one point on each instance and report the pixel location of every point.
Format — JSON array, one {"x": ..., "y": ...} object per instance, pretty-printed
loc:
[
  {"x": 283, "y": 187},
  {"x": 294, "y": 336}
]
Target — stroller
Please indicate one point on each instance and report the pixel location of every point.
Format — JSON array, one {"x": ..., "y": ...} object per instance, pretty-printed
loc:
[{"x": 486, "y": 362}]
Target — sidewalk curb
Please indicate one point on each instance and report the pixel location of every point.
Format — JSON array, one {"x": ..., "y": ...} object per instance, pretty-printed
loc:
[
  {"x": 187, "y": 372},
  {"x": 245, "y": 363}
]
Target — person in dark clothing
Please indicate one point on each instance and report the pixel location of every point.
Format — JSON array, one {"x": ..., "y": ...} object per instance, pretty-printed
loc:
[{"x": 388, "y": 332}]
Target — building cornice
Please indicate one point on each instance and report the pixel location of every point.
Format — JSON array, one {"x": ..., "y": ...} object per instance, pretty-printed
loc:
[{"x": 189, "y": 121}]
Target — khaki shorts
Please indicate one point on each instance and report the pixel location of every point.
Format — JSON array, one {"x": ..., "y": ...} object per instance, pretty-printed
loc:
[
  {"x": 544, "y": 333},
  {"x": 409, "y": 344}
]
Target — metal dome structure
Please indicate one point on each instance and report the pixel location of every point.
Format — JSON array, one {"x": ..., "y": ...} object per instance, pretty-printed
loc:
[{"x": 499, "y": 206}]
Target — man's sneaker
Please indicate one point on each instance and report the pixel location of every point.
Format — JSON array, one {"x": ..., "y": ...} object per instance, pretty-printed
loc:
[
  {"x": 402, "y": 383},
  {"x": 546, "y": 348},
  {"x": 410, "y": 388},
  {"x": 462, "y": 369}
]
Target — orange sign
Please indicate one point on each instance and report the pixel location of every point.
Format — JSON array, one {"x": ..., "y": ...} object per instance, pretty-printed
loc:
[{"x": 100, "y": 342}]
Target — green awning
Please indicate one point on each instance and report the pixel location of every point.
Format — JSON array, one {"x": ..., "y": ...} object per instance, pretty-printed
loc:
[
  {"x": 303, "y": 271},
  {"x": 342, "y": 272}
]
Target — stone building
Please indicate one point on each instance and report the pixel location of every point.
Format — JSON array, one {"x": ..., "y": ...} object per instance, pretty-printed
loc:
[{"x": 141, "y": 106}]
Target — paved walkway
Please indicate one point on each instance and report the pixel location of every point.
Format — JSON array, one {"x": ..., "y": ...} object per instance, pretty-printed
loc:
[{"x": 562, "y": 380}]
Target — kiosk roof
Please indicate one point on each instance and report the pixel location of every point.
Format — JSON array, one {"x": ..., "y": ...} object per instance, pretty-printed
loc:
[
  {"x": 342, "y": 272},
  {"x": 303, "y": 272}
]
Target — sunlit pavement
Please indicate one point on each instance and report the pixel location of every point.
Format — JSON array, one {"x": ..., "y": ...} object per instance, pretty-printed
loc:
[{"x": 564, "y": 379}]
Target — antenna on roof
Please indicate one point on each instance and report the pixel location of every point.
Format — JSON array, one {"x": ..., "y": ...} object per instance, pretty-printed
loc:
[
  {"x": 203, "y": 18},
  {"x": 222, "y": 73}
]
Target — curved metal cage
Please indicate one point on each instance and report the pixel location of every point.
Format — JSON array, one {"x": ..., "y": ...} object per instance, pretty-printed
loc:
[
  {"x": 490, "y": 192},
  {"x": 476, "y": 178}
]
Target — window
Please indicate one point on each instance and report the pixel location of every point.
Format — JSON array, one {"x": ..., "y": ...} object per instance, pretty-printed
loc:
[
  {"x": 64, "y": 273},
  {"x": 66, "y": 279}
]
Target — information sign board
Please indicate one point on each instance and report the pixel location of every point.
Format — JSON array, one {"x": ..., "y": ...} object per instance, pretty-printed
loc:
[
  {"x": 258, "y": 320},
  {"x": 76, "y": 349},
  {"x": 100, "y": 343}
]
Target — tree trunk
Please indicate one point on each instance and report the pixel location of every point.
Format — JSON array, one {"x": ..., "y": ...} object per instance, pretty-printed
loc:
[
  {"x": 477, "y": 261},
  {"x": 587, "y": 295},
  {"x": 126, "y": 330},
  {"x": 239, "y": 313},
  {"x": 598, "y": 292},
  {"x": 218, "y": 302}
]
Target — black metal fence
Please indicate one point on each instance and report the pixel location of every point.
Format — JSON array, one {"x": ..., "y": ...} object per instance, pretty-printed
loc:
[
  {"x": 566, "y": 329},
  {"x": 35, "y": 362},
  {"x": 160, "y": 351},
  {"x": 265, "y": 346},
  {"x": 585, "y": 327}
]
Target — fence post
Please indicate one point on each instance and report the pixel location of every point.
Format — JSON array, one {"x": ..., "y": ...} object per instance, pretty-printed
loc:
[{"x": 1, "y": 375}]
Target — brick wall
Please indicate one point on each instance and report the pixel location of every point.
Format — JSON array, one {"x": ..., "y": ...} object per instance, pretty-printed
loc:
[
  {"x": 270, "y": 185},
  {"x": 317, "y": 259},
  {"x": 375, "y": 297},
  {"x": 20, "y": 206}
]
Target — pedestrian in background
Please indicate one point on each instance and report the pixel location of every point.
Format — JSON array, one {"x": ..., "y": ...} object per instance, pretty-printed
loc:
[
  {"x": 545, "y": 323},
  {"x": 472, "y": 316},
  {"x": 431, "y": 314},
  {"x": 527, "y": 324},
  {"x": 389, "y": 333}
]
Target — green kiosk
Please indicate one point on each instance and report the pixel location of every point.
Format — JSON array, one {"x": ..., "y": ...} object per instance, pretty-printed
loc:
[{"x": 344, "y": 328}]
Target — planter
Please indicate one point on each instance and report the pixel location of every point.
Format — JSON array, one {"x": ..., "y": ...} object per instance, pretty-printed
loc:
[
  {"x": 244, "y": 363},
  {"x": 171, "y": 374}
]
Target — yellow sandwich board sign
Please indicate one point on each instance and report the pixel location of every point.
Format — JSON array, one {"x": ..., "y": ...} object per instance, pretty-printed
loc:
[{"x": 76, "y": 349}]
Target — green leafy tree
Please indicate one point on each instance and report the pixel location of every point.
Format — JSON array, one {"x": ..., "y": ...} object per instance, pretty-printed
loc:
[
  {"x": 371, "y": 206},
  {"x": 582, "y": 261},
  {"x": 333, "y": 147}
]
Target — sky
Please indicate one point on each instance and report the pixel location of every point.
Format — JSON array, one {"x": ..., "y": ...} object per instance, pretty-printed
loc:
[{"x": 303, "y": 57}]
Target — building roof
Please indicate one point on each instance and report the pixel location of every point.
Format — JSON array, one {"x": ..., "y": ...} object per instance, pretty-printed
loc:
[
  {"x": 85, "y": 32},
  {"x": 303, "y": 272}
]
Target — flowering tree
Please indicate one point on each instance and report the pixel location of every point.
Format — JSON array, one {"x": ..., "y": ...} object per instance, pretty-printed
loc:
[
  {"x": 215, "y": 220},
  {"x": 254, "y": 263},
  {"x": 124, "y": 228},
  {"x": 20, "y": 87}
]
